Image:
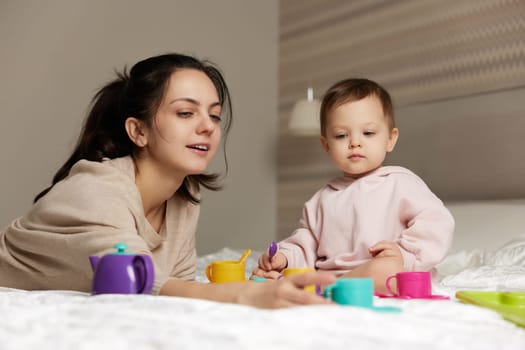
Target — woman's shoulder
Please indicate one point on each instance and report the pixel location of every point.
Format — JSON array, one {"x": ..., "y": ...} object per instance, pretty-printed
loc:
[
  {"x": 94, "y": 185},
  {"x": 95, "y": 196},
  {"x": 118, "y": 168}
]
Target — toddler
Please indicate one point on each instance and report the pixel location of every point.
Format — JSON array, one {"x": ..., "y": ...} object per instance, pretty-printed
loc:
[{"x": 373, "y": 220}]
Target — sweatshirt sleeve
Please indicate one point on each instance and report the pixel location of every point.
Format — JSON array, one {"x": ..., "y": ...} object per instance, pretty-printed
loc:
[
  {"x": 84, "y": 215},
  {"x": 301, "y": 248},
  {"x": 429, "y": 225}
]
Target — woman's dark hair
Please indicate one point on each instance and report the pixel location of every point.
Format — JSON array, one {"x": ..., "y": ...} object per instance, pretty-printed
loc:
[
  {"x": 355, "y": 89},
  {"x": 139, "y": 94}
]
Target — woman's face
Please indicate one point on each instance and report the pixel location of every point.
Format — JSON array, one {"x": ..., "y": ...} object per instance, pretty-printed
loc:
[{"x": 186, "y": 131}]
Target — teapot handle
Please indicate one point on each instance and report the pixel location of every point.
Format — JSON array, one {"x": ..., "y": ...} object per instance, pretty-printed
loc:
[{"x": 143, "y": 266}]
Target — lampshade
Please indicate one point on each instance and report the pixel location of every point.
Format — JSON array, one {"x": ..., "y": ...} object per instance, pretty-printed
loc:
[{"x": 304, "y": 120}]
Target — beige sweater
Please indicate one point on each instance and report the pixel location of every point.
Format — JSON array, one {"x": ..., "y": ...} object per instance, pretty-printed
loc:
[{"x": 95, "y": 207}]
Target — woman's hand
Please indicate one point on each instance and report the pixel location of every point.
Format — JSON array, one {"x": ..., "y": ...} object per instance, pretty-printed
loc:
[
  {"x": 286, "y": 291},
  {"x": 270, "y": 269},
  {"x": 270, "y": 294}
]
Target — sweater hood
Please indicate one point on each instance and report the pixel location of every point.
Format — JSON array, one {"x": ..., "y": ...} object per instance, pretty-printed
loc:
[{"x": 342, "y": 182}]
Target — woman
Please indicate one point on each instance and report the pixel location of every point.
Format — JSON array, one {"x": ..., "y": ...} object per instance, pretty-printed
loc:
[{"x": 134, "y": 177}]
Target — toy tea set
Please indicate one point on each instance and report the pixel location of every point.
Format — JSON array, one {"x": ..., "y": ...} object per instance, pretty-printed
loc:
[
  {"x": 346, "y": 291},
  {"x": 127, "y": 273},
  {"x": 510, "y": 305},
  {"x": 122, "y": 272}
]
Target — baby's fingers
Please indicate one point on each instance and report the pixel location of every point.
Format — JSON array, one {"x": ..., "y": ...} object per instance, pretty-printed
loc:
[
  {"x": 264, "y": 262},
  {"x": 273, "y": 275},
  {"x": 258, "y": 272}
]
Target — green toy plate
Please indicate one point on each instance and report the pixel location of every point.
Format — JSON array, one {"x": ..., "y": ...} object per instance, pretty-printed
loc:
[{"x": 511, "y": 305}]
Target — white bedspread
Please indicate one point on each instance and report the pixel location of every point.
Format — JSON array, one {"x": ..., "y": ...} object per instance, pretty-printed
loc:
[{"x": 71, "y": 320}]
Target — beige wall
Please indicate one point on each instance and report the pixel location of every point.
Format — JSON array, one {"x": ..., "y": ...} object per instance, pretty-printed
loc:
[{"x": 55, "y": 54}]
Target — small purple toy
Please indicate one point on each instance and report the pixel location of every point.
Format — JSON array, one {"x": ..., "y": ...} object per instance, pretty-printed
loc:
[
  {"x": 272, "y": 250},
  {"x": 122, "y": 272}
]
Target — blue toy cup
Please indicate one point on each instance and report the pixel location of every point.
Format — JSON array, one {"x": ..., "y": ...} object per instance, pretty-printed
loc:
[
  {"x": 351, "y": 291},
  {"x": 355, "y": 292}
]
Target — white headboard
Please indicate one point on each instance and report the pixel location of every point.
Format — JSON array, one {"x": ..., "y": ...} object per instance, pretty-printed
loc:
[{"x": 486, "y": 224}]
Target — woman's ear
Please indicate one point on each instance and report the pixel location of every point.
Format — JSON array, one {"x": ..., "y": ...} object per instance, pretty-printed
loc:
[
  {"x": 136, "y": 131},
  {"x": 394, "y": 135}
]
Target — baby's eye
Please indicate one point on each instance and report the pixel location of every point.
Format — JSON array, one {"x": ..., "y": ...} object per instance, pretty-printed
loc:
[
  {"x": 340, "y": 136},
  {"x": 369, "y": 133}
]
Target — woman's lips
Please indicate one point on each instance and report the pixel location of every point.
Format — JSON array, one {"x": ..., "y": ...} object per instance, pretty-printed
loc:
[{"x": 199, "y": 148}]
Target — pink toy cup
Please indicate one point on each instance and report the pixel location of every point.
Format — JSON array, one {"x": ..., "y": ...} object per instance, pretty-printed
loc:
[{"x": 411, "y": 284}]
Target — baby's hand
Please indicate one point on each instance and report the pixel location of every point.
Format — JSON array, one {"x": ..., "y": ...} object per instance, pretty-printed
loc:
[
  {"x": 385, "y": 249},
  {"x": 271, "y": 269}
]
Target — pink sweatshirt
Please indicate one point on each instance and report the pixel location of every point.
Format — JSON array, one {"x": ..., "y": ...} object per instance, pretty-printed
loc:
[{"x": 344, "y": 218}]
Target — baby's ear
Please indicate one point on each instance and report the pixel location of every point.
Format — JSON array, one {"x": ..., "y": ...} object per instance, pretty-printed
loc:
[
  {"x": 394, "y": 135},
  {"x": 324, "y": 143}
]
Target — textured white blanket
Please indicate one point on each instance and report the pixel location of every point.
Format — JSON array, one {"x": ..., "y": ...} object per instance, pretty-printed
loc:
[{"x": 71, "y": 320}]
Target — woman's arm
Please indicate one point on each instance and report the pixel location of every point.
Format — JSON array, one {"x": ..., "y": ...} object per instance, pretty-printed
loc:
[{"x": 270, "y": 294}]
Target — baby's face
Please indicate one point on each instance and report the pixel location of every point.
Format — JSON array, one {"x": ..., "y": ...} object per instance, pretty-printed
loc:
[{"x": 358, "y": 137}]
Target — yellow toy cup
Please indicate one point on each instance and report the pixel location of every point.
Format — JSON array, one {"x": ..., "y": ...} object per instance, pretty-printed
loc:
[
  {"x": 225, "y": 271},
  {"x": 298, "y": 270}
]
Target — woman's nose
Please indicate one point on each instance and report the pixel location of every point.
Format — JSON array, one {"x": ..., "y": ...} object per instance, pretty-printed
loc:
[{"x": 206, "y": 125}]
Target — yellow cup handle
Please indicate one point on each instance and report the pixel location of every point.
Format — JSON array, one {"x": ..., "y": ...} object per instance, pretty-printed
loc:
[{"x": 208, "y": 272}]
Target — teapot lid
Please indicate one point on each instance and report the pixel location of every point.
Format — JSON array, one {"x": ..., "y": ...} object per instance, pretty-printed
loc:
[{"x": 121, "y": 248}]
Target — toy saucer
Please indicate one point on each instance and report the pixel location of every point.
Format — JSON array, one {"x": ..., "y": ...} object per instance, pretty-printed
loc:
[
  {"x": 406, "y": 297},
  {"x": 510, "y": 305},
  {"x": 390, "y": 309},
  {"x": 258, "y": 279}
]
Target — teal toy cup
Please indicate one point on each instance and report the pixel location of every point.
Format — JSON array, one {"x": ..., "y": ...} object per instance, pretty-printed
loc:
[
  {"x": 355, "y": 292},
  {"x": 351, "y": 291}
]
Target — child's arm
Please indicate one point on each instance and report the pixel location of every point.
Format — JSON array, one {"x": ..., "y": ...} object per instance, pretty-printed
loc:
[
  {"x": 429, "y": 228},
  {"x": 298, "y": 250},
  {"x": 301, "y": 248},
  {"x": 387, "y": 260}
]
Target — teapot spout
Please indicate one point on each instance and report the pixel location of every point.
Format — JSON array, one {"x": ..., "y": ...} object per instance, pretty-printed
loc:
[{"x": 93, "y": 259}]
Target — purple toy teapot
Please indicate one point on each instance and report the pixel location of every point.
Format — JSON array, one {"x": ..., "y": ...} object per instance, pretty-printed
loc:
[{"x": 122, "y": 272}]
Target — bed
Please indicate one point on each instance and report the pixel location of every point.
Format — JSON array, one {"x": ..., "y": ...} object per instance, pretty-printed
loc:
[{"x": 67, "y": 320}]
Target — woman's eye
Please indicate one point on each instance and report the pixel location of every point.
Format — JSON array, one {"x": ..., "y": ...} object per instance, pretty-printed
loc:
[
  {"x": 217, "y": 118},
  {"x": 184, "y": 114}
]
